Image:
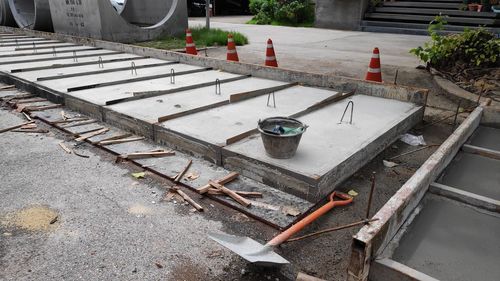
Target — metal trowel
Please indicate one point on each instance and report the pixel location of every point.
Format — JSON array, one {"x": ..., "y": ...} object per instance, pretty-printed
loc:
[{"x": 264, "y": 255}]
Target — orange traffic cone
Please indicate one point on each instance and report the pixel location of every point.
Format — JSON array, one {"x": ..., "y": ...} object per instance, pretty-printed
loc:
[
  {"x": 270, "y": 56},
  {"x": 374, "y": 71},
  {"x": 232, "y": 55},
  {"x": 190, "y": 46}
]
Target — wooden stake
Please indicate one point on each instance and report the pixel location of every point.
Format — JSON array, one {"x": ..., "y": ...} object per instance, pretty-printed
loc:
[
  {"x": 148, "y": 154},
  {"x": 187, "y": 198},
  {"x": 63, "y": 146},
  {"x": 248, "y": 194},
  {"x": 92, "y": 134},
  {"x": 231, "y": 194},
  {"x": 120, "y": 141},
  {"x": 15, "y": 127},
  {"x": 229, "y": 178},
  {"x": 181, "y": 174}
]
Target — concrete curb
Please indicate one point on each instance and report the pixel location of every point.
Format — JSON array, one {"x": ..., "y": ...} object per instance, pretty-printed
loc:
[{"x": 456, "y": 93}]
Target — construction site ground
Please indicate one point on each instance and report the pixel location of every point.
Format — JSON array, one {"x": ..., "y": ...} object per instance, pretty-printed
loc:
[{"x": 112, "y": 226}]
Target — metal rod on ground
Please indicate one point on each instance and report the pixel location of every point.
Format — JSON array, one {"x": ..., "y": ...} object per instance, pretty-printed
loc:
[
  {"x": 370, "y": 197},
  {"x": 332, "y": 229},
  {"x": 413, "y": 151},
  {"x": 181, "y": 174},
  {"x": 207, "y": 13},
  {"x": 456, "y": 115}
]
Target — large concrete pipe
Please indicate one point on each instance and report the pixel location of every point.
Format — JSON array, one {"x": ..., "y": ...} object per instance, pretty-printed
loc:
[
  {"x": 140, "y": 20},
  {"x": 32, "y": 14},
  {"x": 6, "y": 17}
]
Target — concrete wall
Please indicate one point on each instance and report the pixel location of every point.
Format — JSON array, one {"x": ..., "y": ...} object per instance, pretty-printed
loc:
[
  {"x": 98, "y": 19},
  {"x": 340, "y": 14}
]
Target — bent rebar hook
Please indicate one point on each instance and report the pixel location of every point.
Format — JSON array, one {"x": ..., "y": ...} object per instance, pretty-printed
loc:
[{"x": 345, "y": 110}]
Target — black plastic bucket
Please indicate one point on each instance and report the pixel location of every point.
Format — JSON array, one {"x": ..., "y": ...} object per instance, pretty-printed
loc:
[{"x": 281, "y": 136}]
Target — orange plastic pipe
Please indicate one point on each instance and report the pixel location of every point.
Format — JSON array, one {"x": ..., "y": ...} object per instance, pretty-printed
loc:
[{"x": 346, "y": 199}]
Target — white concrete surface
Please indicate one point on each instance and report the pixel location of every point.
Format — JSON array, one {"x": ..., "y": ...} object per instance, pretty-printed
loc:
[
  {"x": 47, "y": 56},
  {"x": 151, "y": 109},
  {"x": 101, "y": 95},
  {"x": 219, "y": 124},
  {"x": 326, "y": 144}
]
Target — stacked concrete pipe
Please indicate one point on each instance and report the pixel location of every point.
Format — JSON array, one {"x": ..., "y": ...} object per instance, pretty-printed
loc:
[
  {"x": 31, "y": 14},
  {"x": 6, "y": 17},
  {"x": 140, "y": 20}
]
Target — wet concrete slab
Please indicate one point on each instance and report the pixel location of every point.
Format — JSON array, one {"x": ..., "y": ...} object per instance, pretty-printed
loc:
[
  {"x": 326, "y": 143},
  {"x": 474, "y": 173},
  {"x": 217, "y": 125},
  {"x": 150, "y": 109},
  {"x": 101, "y": 95},
  {"x": 486, "y": 137},
  {"x": 451, "y": 241},
  {"x": 34, "y": 60},
  {"x": 62, "y": 85}
]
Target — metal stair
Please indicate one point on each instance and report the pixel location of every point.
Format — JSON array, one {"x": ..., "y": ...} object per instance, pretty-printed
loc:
[{"x": 414, "y": 16}]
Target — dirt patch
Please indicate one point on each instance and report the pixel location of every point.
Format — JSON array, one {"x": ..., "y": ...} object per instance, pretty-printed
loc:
[
  {"x": 139, "y": 209},
  {"x": 34, "y": 218}
]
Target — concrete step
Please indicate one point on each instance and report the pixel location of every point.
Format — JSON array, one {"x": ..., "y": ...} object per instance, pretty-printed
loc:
[
  {"x": 427, "y": 19},
  {"x": 412, "y": 28},
  {"x": 418, "y": 4},
  {"x": 423, "y": 11}
]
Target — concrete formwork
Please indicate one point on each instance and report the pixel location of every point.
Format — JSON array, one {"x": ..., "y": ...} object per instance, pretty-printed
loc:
[
  {"x": 222, "y": 124},
  {"x": 442, "y": 222},
  {"x": 6, "y": 17},
  {"x": 32, "y": 14},
  {"x": 140, "y": 20}
]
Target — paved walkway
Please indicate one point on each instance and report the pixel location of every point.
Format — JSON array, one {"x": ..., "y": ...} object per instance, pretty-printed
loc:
[{"x": 338, "y": 52}]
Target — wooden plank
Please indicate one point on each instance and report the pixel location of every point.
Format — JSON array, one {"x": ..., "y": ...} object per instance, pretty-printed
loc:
[
  {"x": 63, "y": 121},
  {"x": 65, "y": 148},
  {"x": 466, "y": 197},
  {"x": 41, "y": 108},
  {"x": 3, "y": 88},
  {"x": 228, "y": 178},
  {"x": 231, "y": 194},
  {"x": 249, "y": 194},
  {"x": 490, "y": 153},
  {"x": 92, "y": 134},
  {"x": 109, "y": 142},
  {"x": 187, "y": 198},
  {"x": 148, "y": 154},
  {"x": 20, "y": 101},
  {"x": 85, "y": 122},
  {"x": 115, "y": 137},
  {"x": 181, "y": 174},
  {"x": 15, "y": 127}
]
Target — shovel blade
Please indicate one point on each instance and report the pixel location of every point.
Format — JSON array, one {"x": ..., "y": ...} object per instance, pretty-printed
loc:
[{"x": 249, "y": 249}]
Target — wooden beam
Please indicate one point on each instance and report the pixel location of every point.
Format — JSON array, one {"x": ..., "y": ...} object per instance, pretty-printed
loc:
[
  {"x": 120, "y": 141},
  {"x": 231, "y": 194},
  {"x": 228, "y": 178},
  {"x": 15, "y": 127},
  {"x": 181, "y": 174},
  {"x": 249, "y": 194},
  {"x": 92, "y": 134},
  {"x": 147, "y": 154},
  {"x": 187, "y": 198}
]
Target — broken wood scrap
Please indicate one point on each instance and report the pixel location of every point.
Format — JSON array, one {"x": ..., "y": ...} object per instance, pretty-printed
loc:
[
  {"x": 91, "y": 134},
  {"x": 7, "y": 87},
  {"x": 16, "y": 97},
  {"x": 187, "y": 198},
  {"x": 27, "y": 116},
  {"x": 30, "y": 100},
  {"x": 41, "y": 108},
  {"x": 62, "y": 121},
  {"x": 120, "y": 141},
  {"x": 15, "y": 127},
  {"x": 79, "y": 133},
  {"x": 64, "y": 147},
  {"x": 226, "y": 179},
  {"x": 36, "y": 131},
  {"x": 115, "y": 137},
  {"x": 247, "y": 194},
  {"x": 147, "y": 154},
  {"x": 181, "y": 174},
  {"x": 29, "y": 126},
  {"x": 85, "y": 122},
  {"x": 231, "y": 194}
]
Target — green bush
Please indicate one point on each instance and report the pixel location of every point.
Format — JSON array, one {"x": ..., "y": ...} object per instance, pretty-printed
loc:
[
  {"x": 473, "y": 48},
  {"x": 286, "y": 12}
]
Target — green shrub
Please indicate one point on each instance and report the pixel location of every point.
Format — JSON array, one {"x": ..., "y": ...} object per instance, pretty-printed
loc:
[
  {"x": 286, "y": 12},
  {"x": 473, "y": 48}
]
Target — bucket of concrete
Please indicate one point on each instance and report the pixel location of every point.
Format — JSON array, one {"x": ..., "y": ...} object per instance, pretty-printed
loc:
[{"x": 281, "y": 136}]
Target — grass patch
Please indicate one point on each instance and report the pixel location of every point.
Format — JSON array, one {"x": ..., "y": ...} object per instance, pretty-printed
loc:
[
  {"x": 202, "y": 37},
  {"x": 283, "y": 23}
]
